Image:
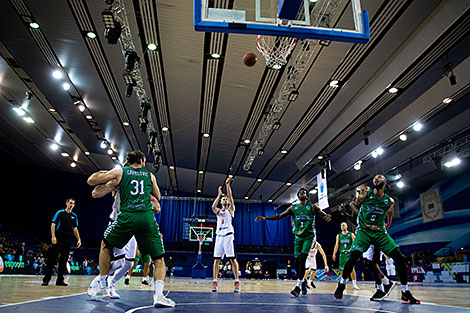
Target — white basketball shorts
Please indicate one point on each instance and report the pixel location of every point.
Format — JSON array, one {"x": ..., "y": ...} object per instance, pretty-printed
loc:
[
  {"x": 128, "y": 250},
  {"x": 224, "y": 246},
  {"x": 369, "y": 254},
  {"x": 311, "y": 263}
]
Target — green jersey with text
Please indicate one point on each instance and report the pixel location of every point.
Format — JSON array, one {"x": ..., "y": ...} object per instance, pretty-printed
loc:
[
  {"x": 373, "y": 212},
  {"x": 303, "y": 220},
  {"x": 135, "y": 188},
  {"x": 345, "y": 242}
]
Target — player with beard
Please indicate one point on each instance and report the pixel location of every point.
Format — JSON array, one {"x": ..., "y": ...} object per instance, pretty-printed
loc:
[
  {"x": 303, "y": 214},
  {"x": 375, "y": 205}
]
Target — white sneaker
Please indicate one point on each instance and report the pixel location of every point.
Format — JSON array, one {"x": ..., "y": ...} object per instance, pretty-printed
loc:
[
  {"x": 113, "y": 294},
  {"x": 356, "y": 287},
  {"x": 98, "y": 293},
  {"x": 161, "y": 300},
  {"x": 94, "y": 284}
]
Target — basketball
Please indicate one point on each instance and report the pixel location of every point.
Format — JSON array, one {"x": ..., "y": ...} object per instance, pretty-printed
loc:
[{"x": 250, "y": 59}]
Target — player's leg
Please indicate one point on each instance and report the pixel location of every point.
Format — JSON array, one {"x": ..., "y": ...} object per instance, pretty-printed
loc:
[
  {"x": 51, "y": 260},
  {"x": 63, "y": 258},
  {"x": 229, "y": 249},
  {"x": 306, "y": 246},
  {"x": 388, "y": 245},
  {"x": 127, "y": 262},
  {"x": 299, "y": 263},
  {"x": 354, "y": 279},
  {"x": 146, "y": 260},
  {"x": 313, "y": 272},
  {"x": 218, "y": 254}
]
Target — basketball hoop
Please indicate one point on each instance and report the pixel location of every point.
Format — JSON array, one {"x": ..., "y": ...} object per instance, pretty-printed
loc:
[{"x": 275, "y": 49}]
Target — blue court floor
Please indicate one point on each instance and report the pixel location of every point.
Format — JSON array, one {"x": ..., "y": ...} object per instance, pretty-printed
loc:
[{"x": 140, "y": 301}]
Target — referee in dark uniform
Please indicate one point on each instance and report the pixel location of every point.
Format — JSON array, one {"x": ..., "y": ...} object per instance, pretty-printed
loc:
[{"x": 64, "y": 226}]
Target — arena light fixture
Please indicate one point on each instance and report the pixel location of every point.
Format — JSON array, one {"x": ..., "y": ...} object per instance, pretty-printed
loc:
[
  {"x": 374, "y": 154},
  {"x": 91, "y": 35},
  {"x": 215, "y": 55},
  {"x": 34, "y": 25},
  {"x": 89, "y": 117},
  {"x": 259, "y": 180},
  {"x": 54, "y": 146},
  {"x": 400, "y": 184},
  {"x": 289, "y": 184},
  {"x": 283, "y": 151},
  {"x": 417, "y": 126},
  {"x": 57, "y": 74},
  {"x": 152, "y": 47},
  {"x": 19, "y": 110},
  {"x": 125, "y": 123},
  {"x": 454, "y": 162},
  {"x": 270, "y": 200},
  {"x": 87, "y": 153},
  {"x": 110, "y": 151},
  {"x": 73, "y": 164},
  {"x": 165, "y": 129},
  {"x": 320, "y": 157},
  {"x": 230, "y": 176},
  {"x": 66, "y": 86},
  {"x": 447, "y": 100},
  {"x": 206, "y": 135},
  {"x": 246, "y": 141},
  {"x": 201, "y": 172},
  {"x": 103, "y": 144},
  {"x": 28, "y": 119},
  {"x": 357, "y": 165},
  {"x": 380, "y": 150},
  {"x": 172, "y": 167},
  {"x": 393, "y": 90},
  {"x": 334, "y": 83},
  {"x": 64, "y": 154}
]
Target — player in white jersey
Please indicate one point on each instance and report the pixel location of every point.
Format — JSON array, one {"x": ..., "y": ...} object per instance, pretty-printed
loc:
[
  {"x": 225, "y": 234},
  {"x": 123, "y": 259},
  {"x": 311, "y": 263}
]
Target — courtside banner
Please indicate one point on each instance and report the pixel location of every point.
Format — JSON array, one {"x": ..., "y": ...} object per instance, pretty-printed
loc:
[{"x": 322, "y": 192}]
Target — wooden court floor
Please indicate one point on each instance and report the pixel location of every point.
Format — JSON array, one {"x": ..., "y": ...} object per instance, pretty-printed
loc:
[{"x": 22, "y": 288}]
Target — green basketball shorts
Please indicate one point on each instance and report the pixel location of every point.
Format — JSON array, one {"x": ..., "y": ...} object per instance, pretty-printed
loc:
[
  {"x": 303, "y": 245},
  {"x": 343, "y": 258},
  {"x": 380, "y": 239}
]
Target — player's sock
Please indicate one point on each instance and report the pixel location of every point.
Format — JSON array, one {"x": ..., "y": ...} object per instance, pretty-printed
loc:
[
  {"x": 404, "y": 288},
  {"x": 299, "y": 282},
  {"x": 102, "y": 281},
  {"x": 343, "y": 281},
  {"x": 159, "y": 284},
  {"x": 309, "y": 281},
  {"x": 385, "y": 281},
  {"x": 380, "y": 287},
  {"x": 146, "y": 278}
]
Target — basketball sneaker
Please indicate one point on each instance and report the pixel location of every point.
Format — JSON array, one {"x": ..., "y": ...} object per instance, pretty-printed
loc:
[
  {"x": 94, "y": 284},
  {"x": 304, "y": 287},
  {"x": 313, "y": 285},
  {"x": 126, "y": 281},
  {"x": 214, "y": 286},
  {"x": 408, "y": 297},
  {"x": 161, "y": 300},
  {"x": 144, "y": 283},
  {"x": 378, "y": 295},
  {"x": 113, "y": 294},
  {"x": 356, "y": 287},
  {"x": 296, "y": 291},
  {"x": 98, "y": 293},
  {"x": 388, "y": 288},
  {"x": 339, "y": 291},
  {"x": 237, "y": 287}
]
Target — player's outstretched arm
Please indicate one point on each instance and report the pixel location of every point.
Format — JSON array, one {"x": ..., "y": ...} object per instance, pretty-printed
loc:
[
  {"x": 102, "y": 190},
  {"x": 276, "y": 217},
  {"x": 230, "y": 196},
  {"x": 316, "y": 209},
  {"x": 103, "y": 177},
  {"x": 320, "y": 249},
  {"x": 216, "y": 201}
]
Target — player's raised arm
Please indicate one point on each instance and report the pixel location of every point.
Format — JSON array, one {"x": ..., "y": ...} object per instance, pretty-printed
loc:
[
  {"x": 316, "y": 209},
  {"x": 216, "y": 201},
  {"x": 103, "y": 177},
  {"x": 361, "y": 198},
  {"x": 276, "y": 217},
  {"x": 230, "y": 196},
  {"x": 102, "y": 190}
]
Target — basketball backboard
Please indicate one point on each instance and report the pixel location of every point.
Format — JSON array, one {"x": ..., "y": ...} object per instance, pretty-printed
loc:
[
  {"x": 333, "y": 20},
  {"x": 201, "y": 233}
]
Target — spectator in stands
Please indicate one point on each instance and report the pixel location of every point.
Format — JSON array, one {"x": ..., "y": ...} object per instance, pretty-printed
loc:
[
  {"x": 266, "y": 275},
  {"x": 221, "y": 270},
  {"x": 39, "y": 263},
  {"x": 289, "y": 270},
  {"x": 21, "y": 251},
  {"x": 249, "y": 270},
  {"x": 257, "y": 270},
  {"x": 228, "y": 270},
  {"x": 171, "y": 267}
]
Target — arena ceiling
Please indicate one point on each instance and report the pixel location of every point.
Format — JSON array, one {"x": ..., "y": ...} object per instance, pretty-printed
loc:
[{"x": 417, "y": 47}]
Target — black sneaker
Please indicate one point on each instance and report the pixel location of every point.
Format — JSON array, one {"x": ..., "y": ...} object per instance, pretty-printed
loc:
[
  {"x": 304, "y": 287},
  {"x": 388, "y": 288},
  {"x": 45, "y": 283},
  {"x": 145, "y": 283},
  {"x": 378, "y": 295},
  {"x": 61, "y": 283},
  {"x": 313, "y": 285},
  {"x": 339, "y": 291},
  {"x": 295, "y": 292},
  {"x": 408, "y": 297},
  {"x": 126, "y": 281}
]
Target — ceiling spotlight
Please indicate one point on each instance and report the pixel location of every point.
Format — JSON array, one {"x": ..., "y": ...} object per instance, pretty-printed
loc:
[
  {"x": 172, "y": 167},
  {"x": 201, "y": 172},
  {"x": 64, "y": 154},
  {"x": 246, "y": 198},
  {"x": 110, "y": 151},
  {"x": 165, "y": 129},
  {"x": 313, "y": 191},
  {"x": 277, "y": 67},
  {"x": 334, "y": 83},
  {"x": 125, "y": 123},
  {"x": 34, "y": 25},
  {"x": 54, "y": 146},
  {"x": 130, "y": 58},
  {"x": 152, "y": 47},
  {"x": 81, "y": 107},
  {"x": 103, "y": 144},
  {"x": 89, "y": 117},
  {"x": 400, "y": 184},
  {"x": 403, "y": 137},
  {"x": 19, "y": 110},
  {"x": 374, "y": 154},
  {"x": 66, "y": 86},
  {"x": 393, "y": 90},
  {"x": 283, "y": 151},
  {"x": 28, "y": 120},
  {"x": 91, "y": 35},
  {"x": 270, "y": 200},
  {"x": 259, "y": 180},
  {"x": 57, "y": 74},
  {"x": 447, "y": 100},
  {"x": 112, "y": 27},
  {"x": 199, "y": 190},
  {"x": 87, "y": 153},
  {"x": 452, "y": 163},
  {"x": 246, "y": 141},
  {"x": 73, "y": 164},
  {"x": 215, "y": 55},
  {"x": 288, "y": 184},
  {"x": 130, "y": 83},
  {"x": 418, "y": 126},
  {"x": 320, "y": 157},
  {"x": 379, "y": 150},
  {"x": 453, "y": 79},
  {"x": 294, "y": 94},
  {"x": 206, "y": 135},
  {"x": 51, "y": 110},
  {"x": 276, "y": 125},
  {"x": 230, "y": 176},
  {"x": 357, "y": 165}
]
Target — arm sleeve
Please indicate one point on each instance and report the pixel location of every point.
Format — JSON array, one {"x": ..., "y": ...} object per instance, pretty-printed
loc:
[
  {"x": 56, "y": 217},
  {"x": 76, "y": 220}
]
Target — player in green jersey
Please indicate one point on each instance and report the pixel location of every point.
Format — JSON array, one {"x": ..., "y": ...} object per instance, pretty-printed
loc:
[
  {"x": 303, "y": 215},
  {"x": 375, "y": 205},
  {"x": 343, "y": 243},
  {"x": 136, "y": 185}
]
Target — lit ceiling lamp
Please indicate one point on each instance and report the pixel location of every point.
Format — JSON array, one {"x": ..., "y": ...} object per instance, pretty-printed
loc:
[
  {"x": 246, "y": 141},
  {"x": 417, "y": 126},
  {"x": 289, "y": 184},
  {"x": 270, "y": 200},
  {"x": 73, "y": 164},
  {"x": 64, "y": 154},
  {"x": 320, "y": 157},
  {"x": 91, "y": 35},
  {"x": 19, "y": 110},
  {"x": 152, "y": 47},
  {"x": 334, "y": 83},
  {"x": 110, "y": 151},
  {"x": 54, "y": 146},
  {"x": 103, "y": 144},
  {"x": 357, "y": 165},
  {"x": 34, "y": 25},
  {"x": 66, "y": 86},
  {"x": 454, "y": 162},
  {"x": 447, "y": 100},
  {"x": 400, "y": 184},
  {"x": 125, "y": 123},
  {"x": 215, "y": 55},
  {"x": 28, "y": 119},
  {"x": 403, "y": 137},
  {"x": 206, "y": 135},
  {"x": 57, "y": 74},
  {"x": 393, "y": 90},
  {"x": 283, "y": 151}
]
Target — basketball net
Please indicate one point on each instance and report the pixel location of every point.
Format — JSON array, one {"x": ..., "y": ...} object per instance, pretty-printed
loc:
[{"x": 275, "y": 49}]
